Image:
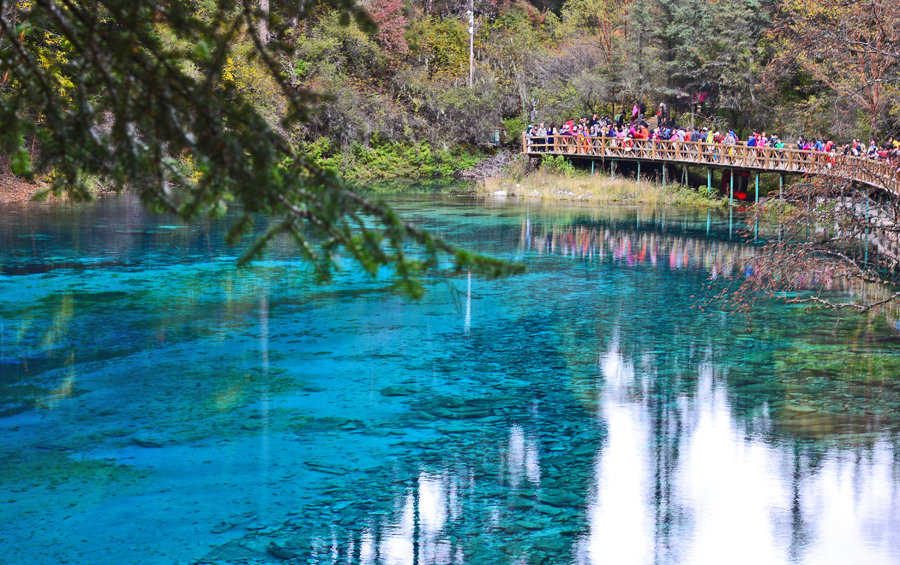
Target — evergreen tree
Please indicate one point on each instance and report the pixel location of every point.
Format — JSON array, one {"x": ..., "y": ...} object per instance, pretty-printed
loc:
[{"x": 124, "y": 90}]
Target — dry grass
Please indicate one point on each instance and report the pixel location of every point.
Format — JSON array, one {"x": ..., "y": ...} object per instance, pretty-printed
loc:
[{"x": 600, "y": 189}]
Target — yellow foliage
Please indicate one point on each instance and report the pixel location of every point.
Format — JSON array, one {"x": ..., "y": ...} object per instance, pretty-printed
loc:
[
  {"x": 252, "y": 81},
  {"x": 52, "y": 55},
  {"x": 228, "y": 70}
]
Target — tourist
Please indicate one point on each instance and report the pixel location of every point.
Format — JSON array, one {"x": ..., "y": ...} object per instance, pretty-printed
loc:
[
  {"x": 540, "y": 137},
  {"x": 872, "y": 151},
  {"x": 586, "y": 133}
]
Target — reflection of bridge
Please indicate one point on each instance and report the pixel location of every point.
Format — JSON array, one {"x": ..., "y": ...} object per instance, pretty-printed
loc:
[
  {"x": 636, "y": 247},
  {"x": 877, "y": 174}
]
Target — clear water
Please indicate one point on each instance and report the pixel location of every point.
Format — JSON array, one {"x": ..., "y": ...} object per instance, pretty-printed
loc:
[{"x": 159, "y": 405}]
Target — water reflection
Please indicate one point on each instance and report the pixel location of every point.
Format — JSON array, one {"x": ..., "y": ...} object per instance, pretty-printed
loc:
[
  {"x": 582, "y": 413},
  {"x": 522, "y": 458},
  {"x": 677, "y": 479},
  {"x": 630, "y": 247},
  {"x": 620, "y": 521}
]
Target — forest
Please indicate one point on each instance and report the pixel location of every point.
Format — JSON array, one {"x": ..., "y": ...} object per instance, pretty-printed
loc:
[
  {"x": 400, "y": 102},
  {"x": 391, "y": 94}
]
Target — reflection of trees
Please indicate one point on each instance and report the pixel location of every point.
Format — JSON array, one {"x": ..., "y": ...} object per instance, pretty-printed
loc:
[
  {"x": 679, "y": 449},
  {"x": 764, "y": 392},
  {"x": 676, "y": 481},
  {"x": 577, "y": 385},
  {"x": 121, "y": 283},
  {"x": 634, "y": 247}
]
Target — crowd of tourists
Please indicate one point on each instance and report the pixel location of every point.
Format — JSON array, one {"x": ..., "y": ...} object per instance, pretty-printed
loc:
[{"x": 545, "y": 137}]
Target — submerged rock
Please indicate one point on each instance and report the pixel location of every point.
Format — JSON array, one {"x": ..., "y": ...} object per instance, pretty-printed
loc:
[
  {"x": 399, "y": 390},
  {"x": 282, "y": 553},
  {"x": 151, "y": 440}
]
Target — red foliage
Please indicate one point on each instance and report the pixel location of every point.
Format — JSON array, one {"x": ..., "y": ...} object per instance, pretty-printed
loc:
[
  {"x": 536, "y": 17},
  {"x": 388, "y": 14}
]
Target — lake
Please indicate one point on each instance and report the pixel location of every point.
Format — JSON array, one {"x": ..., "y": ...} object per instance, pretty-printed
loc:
[{"x": 160, "y": 405}]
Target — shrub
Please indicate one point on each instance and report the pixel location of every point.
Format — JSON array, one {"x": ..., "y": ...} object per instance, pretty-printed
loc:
[
  {"x": 514, "y": 128},
  {"x": 557, "y": 165}
]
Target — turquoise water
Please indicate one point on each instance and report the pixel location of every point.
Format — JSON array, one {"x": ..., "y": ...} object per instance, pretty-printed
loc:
[{"x": 159, "y": 405}]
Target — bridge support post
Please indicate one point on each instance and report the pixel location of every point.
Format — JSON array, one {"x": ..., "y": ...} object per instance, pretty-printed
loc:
[
  {"x": 731, "y": 198},
  {"x": 639, "y": 171},
  {"x": 780, "y": 185},
  {"x": 757, "y": 188},
  {"x": 730, "y": 220},
  {"x": 612, "y": 168},
  {"x": 592, "y": 167},
  {"x": 708, "y": 181},
  {"x": 664, "y": 174}
]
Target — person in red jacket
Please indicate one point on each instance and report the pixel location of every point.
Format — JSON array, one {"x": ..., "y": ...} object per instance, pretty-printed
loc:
[{"x": 642, "y": 132}]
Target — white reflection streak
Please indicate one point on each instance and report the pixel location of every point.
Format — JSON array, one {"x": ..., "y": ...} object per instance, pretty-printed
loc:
[
  {"x": 731, "y": 487},
  {"x": 367, "y": 548},
  {"x": 351, "y": 550},
  {"x": 396, "y": 546},
  {"x": 532, "y": 465},
  {"x": 468, "y": 323},
  {"x": 432, "y": 519},
  {"x": 453, "y": 500},
  {"x": 621, "y": 528},
  {"x": 264, "y": 404},
  {"x": 850, "y": 500},
  {"x": 523, "y": 458},
  {"x": 516, "y": 459}
]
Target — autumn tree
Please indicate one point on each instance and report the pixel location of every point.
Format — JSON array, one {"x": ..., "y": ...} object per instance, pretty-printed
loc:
[
  {"x": 828, "y": 242},
  {"x": 388, "y": 16},
  {"x": 604, "y": 20},
  {"x": 852, "y": 47}
]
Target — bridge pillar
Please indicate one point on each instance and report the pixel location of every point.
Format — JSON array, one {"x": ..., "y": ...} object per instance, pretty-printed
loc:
[
  {"x": 639, "y": 171},
  {"x": 592, "y": 167},
  {"x": 664, "y": 174},
  {"x": 757, "y": 188},
  {"x": 612, "y": 168},
  {"x": 780, "y": 184},
  {"x": 708, "y": 181}
]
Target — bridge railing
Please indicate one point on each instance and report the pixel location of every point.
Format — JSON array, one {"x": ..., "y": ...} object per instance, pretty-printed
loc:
[{"x": 877, "y": 173}]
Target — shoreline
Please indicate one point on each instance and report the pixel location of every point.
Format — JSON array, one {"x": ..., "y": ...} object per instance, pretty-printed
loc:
[
  {"x": 539, "y": 185},
  {"x": 596, "y": 189},
  {"x": 14, "y": 190}
]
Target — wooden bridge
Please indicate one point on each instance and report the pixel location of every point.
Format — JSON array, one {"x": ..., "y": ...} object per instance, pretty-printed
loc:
[{"x": 878, "y": 174}]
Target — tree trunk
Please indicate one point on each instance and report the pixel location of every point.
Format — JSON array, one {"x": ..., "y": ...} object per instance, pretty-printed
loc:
[
  {"x": 264, "y": 21},
  {"x": 692, "y": 110},
  {"x": 471, "y": 43}
]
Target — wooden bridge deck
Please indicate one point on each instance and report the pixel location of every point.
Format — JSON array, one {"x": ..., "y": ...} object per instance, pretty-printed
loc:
[{"x": 875, "y": 173}]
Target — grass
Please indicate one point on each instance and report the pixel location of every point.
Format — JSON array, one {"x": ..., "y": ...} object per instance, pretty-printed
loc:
[{"x": 542, "y": 185}]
